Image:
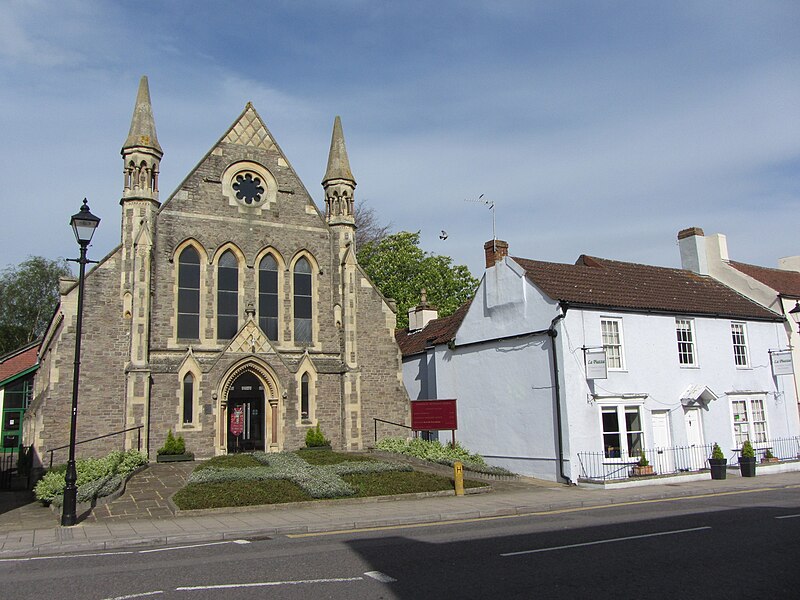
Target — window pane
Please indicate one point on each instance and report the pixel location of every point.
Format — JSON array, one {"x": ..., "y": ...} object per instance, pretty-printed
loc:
[
  {"x": 188, "y": 326},
  {"x": 302, "y": 330},
  {"x": 302, "y": 307},
  {"x": 188, "y": 275},
  {"x": 228, "y": 303},
  {"x": 302, "y": 284},
  {"x": 228, "y": 260},
  {"x": 304, "y": 397},
  {"x": 188, "y": 301},
  {"x": 226, "y": 327},
  {"x": 302, "y": 266},
  {"x": 228, "y": 279},
  {"x": 269, "y": 325},
  {"x": 188, "y": 399},
  {"x": 268, "y": 263}
]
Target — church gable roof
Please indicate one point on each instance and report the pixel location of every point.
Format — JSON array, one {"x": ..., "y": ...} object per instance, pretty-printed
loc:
[
  {"x": 627, "y": 286},
  {"x": 249, "y": 130}
]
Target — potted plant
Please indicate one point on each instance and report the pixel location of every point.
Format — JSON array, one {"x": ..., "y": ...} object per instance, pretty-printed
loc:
[
  {"x": 643, "y": 467},
  {"x": 173, "y": 450},
  {"x": 747, "y": 460},
  {"x": 769, "y": 457},
  {"x": 718, "y": 463}
]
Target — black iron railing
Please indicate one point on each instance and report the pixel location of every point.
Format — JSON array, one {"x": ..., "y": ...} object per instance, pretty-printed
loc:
[
  {"x": 375, "y": 422},
  {"x": 8, "y": 466},
  {"x": 138, "y": 431},
  {"x": 616, "y": 464}
]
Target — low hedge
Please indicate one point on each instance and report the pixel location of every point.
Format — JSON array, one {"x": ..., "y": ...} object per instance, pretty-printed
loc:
[{"x": 97, "y": 477}]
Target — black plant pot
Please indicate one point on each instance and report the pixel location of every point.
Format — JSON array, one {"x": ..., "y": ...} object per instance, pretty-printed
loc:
[
  {"x": 719, "y": 468},
  {"x": 747, "y": 466}
]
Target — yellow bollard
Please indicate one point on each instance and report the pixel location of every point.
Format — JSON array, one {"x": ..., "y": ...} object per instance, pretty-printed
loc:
[{"x": 458, "y": 475}]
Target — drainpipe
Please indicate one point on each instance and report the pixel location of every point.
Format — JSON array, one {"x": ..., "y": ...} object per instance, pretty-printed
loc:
[{"x": 553, "y": 333}]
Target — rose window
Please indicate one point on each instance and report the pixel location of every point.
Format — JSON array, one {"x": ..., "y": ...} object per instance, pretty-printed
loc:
[{"x": 248, "y": 188}]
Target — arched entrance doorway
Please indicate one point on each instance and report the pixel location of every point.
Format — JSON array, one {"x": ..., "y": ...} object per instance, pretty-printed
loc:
[{"x": 246, "y": 418}]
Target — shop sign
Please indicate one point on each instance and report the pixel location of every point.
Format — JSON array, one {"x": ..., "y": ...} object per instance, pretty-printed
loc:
[
  {"x": 781, "y": 363},
  {"x": 596, "y": 363}
]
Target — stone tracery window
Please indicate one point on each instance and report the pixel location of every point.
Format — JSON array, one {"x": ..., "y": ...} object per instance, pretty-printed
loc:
[
  {"x": 189, "y": 293},
  {"x": 302, "y": 301},
  {"x": 227, "y": 296},
  {"x": 268, "y": 296}
]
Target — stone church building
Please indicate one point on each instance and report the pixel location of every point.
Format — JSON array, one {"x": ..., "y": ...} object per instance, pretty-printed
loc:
[{"x": 233, "y": 301}]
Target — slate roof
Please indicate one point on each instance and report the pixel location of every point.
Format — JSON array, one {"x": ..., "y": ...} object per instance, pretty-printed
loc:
[
  {"x": 437, "y": 331},
  {"x": 18, "y": 361},
  {"x": 598, "y": 282},
  {"x": 786, "y": 283}
]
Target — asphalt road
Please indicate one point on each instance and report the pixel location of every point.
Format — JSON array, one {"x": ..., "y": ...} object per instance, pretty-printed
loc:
[{"x": 743, "y": 545}]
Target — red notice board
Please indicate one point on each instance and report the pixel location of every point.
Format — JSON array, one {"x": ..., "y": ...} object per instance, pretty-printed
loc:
[{"x": 432, "y": 415}]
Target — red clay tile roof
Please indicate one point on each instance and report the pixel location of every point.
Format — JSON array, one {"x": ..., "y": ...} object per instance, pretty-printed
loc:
[
  {"x": 18, "y": 361},
  {"x": 786, "y": 283},
  {"x": 629, "y": 286},
  {"x": 438, "y": 331}
]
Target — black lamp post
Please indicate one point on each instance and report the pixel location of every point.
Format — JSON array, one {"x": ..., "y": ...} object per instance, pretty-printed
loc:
[
  {"x": 795, "y": 314},
  {"x": 83, "y": 224}
]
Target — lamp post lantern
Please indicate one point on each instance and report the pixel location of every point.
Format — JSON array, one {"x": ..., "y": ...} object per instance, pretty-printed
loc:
[
  {"x": 795, "y": 314},
  {"x": 83, "y": 225}
]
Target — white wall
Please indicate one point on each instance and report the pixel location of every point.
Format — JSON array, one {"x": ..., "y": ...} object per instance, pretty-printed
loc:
[{"x": 652, "y": 369}]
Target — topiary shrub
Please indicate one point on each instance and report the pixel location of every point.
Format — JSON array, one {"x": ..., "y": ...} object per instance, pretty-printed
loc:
[
  {"x": 747, "y": 450},
  {"x": 173, "y": 445},
  {"x": 716, "y": 452},
  {"x": 315, "y": 438}
]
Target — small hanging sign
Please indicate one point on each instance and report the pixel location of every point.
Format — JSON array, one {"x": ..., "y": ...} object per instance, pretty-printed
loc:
[
  {"x": 781, "y": 363},
  {"x": 596, "y": 363}
]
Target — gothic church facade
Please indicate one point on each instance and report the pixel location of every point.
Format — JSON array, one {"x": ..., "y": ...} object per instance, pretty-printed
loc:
[{"x": 234, "y": 314}]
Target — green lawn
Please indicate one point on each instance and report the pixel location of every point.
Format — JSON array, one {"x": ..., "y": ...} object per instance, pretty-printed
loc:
[{"x": 240, "y": 491}]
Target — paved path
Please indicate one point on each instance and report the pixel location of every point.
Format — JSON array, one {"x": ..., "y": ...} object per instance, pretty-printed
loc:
[{"x": 32, "y": 530}]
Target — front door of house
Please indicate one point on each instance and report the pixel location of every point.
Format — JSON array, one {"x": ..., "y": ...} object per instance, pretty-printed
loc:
[
  {"x": 696, "y": 452},
  {"x": 245, "y": 416},
  {"x": 663, "y": 459}
]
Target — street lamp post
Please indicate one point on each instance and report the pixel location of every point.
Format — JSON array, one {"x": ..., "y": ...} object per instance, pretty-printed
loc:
[
  {"x": 795, "y": 314},
  {"x": 83, "y": 225}
]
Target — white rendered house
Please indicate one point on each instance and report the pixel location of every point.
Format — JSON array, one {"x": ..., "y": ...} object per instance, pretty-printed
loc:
[
  {"x": 777, "y": 289},
  {"x": 687, "y": 363}
]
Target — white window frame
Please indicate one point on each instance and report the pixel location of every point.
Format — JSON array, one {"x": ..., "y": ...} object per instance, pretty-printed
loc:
[
  {"x": 621, "y": 407},
  {"x": 690, "y": 343},
  {"x": 619, "y": 345},
  {"x": 741, "y": 358},
  {"x": 744, "y": 422}
]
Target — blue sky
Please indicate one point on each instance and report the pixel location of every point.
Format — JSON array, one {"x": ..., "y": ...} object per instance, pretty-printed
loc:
[{"x": 595, "y": 127}]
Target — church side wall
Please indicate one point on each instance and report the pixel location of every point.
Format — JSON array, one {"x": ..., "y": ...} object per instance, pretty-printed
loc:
[
  {"x": 104, "y": 351},
  {"x": 383, "y": 395}
]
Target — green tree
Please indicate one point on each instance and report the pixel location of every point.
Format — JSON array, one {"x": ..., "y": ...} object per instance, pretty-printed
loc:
[
  {"x": 28, "y": 296},
  {"x": 400, "y": 269}
]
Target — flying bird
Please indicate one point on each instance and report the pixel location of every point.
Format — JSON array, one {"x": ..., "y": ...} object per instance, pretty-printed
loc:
[{"x": 443, "y": 235}]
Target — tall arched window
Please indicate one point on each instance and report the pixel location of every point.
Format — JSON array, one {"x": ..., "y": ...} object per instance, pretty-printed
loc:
[
  {"x": 302, "y": 301},
  {"x": 304, "y": 397},
  {"x": 227, "y": 296},
  {"x": 268, "y": 296},
  {"x": 189, "y": 293},
  {"x": 188, "y": 398}
]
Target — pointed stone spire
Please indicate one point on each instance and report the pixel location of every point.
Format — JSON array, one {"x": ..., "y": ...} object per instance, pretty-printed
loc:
[
  {"x": 339, "y": 182},
  {"x": 338, "y": 164},
  {"x": 143, "y": 127}
]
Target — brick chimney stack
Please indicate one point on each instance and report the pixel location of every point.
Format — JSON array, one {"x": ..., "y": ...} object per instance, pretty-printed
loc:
[{"x": 496, "y": 250}]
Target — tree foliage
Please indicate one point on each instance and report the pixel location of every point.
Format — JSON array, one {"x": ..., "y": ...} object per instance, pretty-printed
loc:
[
  {"x": 28, "y": 296},
  {"x": 401, "y": 269}
]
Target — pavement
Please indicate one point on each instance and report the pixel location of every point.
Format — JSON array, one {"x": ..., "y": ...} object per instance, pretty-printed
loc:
[{"x": 144, "y": 516}]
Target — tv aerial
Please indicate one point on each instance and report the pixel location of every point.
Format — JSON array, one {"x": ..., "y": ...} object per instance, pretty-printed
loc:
[{"x": 490, "y": 204}]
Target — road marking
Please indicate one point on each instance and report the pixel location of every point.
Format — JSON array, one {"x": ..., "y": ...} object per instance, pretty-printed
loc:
[
  {"x": 129, "y": 596},
  {"x": 229, "y": 586},
  {"x": 192, "y": 546},
  {"x": 61, "y": 556},
  {"x": 788, "y": 517},
  {"x": 541, "y": 513},
  {"x": 382, "y": 577},
  {"x": 622, "y": 539}
]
